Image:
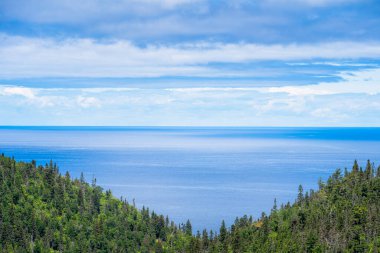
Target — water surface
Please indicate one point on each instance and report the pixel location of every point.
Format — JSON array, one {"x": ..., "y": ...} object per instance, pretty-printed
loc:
[{"x": 204, "y": 174}]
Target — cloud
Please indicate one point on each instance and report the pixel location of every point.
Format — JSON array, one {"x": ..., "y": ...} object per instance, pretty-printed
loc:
[
  {"x": 331, "y": 114},
  {"x": 266, "y": 21},
  {"x": 190, "y": 106},
  {"x": 312, "y": 3},
  {"x": 85, "y": 11},
  {"x": 167, "y": 3},
  {"x": 21, "y": 91},
  {"x": 36, "y": 57},
  {"x": 87, "y": 102},
  {"x": 30, "y": 96},
  {"x": 156, "y": 43},
  {"x": 358, "y": 82}
]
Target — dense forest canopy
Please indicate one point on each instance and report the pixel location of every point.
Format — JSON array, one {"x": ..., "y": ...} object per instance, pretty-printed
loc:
[{"x": 44, "y": 211}]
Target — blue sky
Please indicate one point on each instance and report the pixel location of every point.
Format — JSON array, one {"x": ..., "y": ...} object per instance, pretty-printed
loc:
[{"x": 190, "y": 62}]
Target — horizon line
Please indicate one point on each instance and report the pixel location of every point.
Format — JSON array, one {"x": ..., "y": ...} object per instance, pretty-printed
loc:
[{"x": 173, "y": 126}]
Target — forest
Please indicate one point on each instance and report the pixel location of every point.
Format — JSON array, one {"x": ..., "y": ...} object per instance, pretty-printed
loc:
[{"x": 42, "y": 210}]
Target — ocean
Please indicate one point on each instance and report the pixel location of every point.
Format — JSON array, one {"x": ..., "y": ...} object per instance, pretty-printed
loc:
[{"x": 205, "y": 174}]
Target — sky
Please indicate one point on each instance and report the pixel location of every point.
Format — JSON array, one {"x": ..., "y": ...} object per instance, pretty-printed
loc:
[{"x": 190, "y": 62}]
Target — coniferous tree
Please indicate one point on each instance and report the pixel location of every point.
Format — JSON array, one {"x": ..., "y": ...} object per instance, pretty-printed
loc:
[
  {"x": 42, "y": 211},
  {"x": 188, "y": 228}
]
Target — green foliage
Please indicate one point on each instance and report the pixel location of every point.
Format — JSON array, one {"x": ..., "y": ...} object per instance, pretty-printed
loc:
[
  {"x": 342, "y": 216},
  {"x": 42, "y": 211}
]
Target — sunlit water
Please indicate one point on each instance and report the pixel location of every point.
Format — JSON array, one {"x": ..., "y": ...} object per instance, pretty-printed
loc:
[{"x": 204, "y": 174}]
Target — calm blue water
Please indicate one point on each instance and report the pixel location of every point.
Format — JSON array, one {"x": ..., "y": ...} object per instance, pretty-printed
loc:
[{"x": 204, "y": 174}]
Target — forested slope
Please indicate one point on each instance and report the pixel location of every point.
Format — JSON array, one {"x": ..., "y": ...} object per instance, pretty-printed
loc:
[
  {"x": 43, "y": 211},
  {"x": 342, "y": 216}
]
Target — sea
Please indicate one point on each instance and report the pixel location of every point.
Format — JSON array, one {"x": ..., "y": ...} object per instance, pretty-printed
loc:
[{"x": 204, "y": 174}]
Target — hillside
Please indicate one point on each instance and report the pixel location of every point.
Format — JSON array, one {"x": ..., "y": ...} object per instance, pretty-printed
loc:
[
  {"x": 43, "y": 211},
  {"x": 342, "y": 216}
]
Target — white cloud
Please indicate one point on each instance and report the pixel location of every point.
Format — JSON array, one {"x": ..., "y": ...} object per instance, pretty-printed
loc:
[
  {"x": 313, "y": 3},
  {"x": 358, "y": 82},
  {"x": 167, "y": 3},
  {"x": 33, "y": 57},
  {"x": 21, "y": 91},
  {"x": 31, "y": 96},
  {"x": 186, "y": 106},
  {"x": 329, "y": 113},
  {"x": 87, "y": 102},
  {"x": 102, "y": 89}
]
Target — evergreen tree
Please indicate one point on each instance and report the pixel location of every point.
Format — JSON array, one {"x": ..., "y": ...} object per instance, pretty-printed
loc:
[
  {"x": 188, "y": 228},
  {"x": 42, "y": 211},
  {"x": 223, "y": 237}
]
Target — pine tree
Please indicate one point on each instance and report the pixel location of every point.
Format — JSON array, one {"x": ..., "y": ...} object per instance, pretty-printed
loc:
[
  {"x": 355, "y": 168},
  {"x": 188, "y": 228},
  {"x": 223, "y": 237},
  {"x": 300, "y": 193}
]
